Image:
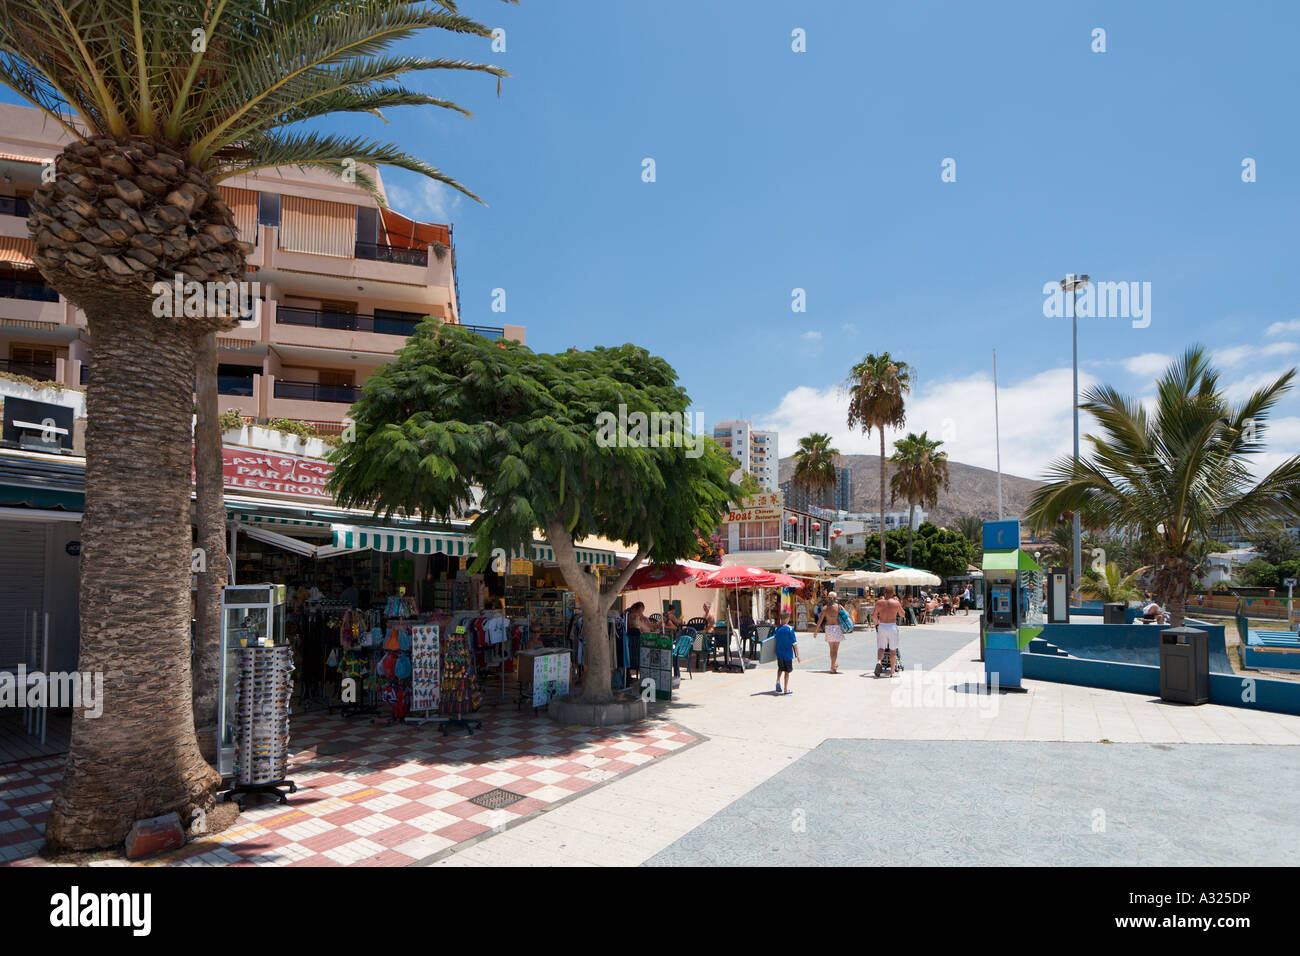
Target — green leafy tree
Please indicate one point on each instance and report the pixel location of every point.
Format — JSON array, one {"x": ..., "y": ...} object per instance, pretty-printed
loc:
[
  {"x": 162, "y": 101},
  {"x": 1180, "y": 472},
  {"x": 878, "y": 387},
  {"x": 815, "y": 462},
  {"x": 539, "y": 434},
  {"x": 1110, "y": 585},
  {"x": 971, "y": 527},
  {"x": 940, "y": 551},
  {"x": 920, "y": 473},
  {"x": 1275, "y": 543},
  {"x": 1259, "y": 573}
]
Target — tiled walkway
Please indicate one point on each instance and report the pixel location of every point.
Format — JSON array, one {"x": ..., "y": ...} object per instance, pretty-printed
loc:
[{"x": 400, "y": 795}]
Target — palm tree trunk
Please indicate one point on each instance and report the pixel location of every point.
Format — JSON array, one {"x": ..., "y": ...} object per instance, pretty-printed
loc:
[
  {"x": 882, "y": 498},
  {"x": 211, "y": 520},
  {"x": 911, "y": 513},
  {"x": 140, "y": 757}
]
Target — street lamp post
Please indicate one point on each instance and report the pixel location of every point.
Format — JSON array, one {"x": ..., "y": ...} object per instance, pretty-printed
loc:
[{"x": 1075, "y": 284}]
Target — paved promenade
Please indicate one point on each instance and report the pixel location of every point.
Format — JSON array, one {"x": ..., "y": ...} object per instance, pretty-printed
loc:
[{"x": 924, "y": 769}]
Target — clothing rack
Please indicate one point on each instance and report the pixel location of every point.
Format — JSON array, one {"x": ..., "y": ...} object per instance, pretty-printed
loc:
[{"x": 496, "y": 653}]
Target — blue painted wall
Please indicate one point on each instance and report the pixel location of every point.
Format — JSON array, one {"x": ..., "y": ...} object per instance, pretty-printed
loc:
[
  {"x": 1128, "y": 643},
  {"x": 1252, "y": 693}
]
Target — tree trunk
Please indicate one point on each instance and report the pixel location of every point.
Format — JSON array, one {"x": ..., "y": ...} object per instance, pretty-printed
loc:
[
  {"x": 595, "y": 603},
  {"x": 911, "y": 513},
  {"x": 211, "y": 519},
  {"x": 140, "y": 757},
  {"x": 882, "y": 498}
]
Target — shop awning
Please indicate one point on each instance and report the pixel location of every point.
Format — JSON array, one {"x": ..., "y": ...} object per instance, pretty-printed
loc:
[
  {"x": 17, "y": 252},
  {"x": 1012, "y": 560},
  {"x": 389, "y": 540}
]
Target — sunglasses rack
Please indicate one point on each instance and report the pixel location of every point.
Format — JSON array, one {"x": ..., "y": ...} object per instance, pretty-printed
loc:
[{"x": 261, "y": 723}]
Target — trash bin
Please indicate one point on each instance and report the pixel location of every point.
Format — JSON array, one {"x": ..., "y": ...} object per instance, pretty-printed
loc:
[
  {"x": 1185, "y": 665},
  {"x": 1113, "y": 614}
]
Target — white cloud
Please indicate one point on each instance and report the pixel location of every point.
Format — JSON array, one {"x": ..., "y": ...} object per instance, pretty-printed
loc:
[
  {"x": 1237, "y": 354},
  {"x": 1034, "y": 416},
  {"x": 427, "y": 200},
  {"x": 1148, "y": 363},
  {"x": 1242, "y": 389},
  {"x": 811, "y": 336},
  {"x": 1284, "y": 328},
  {"x": 850, "y": 328},
  {"x": 1282, "y": 437}
]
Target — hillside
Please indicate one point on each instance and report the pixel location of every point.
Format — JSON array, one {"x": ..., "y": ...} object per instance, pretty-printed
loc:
[{"x": 974, "y": 490}]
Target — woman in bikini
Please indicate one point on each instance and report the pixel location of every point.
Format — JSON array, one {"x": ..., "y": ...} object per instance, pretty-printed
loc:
[{"x": 830, "y": 619}]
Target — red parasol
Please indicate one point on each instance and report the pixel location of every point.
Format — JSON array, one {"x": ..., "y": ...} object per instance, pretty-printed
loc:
[
  {"x": 658, "y": 576},
  {"x": 739, "y": 576},
  {"x": 779, "y": 580}
]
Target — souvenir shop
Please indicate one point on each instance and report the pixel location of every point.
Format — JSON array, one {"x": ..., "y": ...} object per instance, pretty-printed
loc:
[{"x": 380, "y": 617}]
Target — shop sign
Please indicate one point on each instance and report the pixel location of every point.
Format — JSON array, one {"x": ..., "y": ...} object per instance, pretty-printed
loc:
[
  {"x": 767, "y": 506},
  {"x": 521, "y": 566},
  {"x": 247, "y": 469},
  {"x": 73, "y": 548}
]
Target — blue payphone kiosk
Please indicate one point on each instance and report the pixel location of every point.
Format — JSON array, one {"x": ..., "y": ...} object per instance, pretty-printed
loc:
[{"x": 1013, "y": 604}]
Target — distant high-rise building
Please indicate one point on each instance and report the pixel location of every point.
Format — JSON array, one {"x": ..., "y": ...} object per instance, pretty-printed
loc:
[
  {"x": 757, "y": 451},
  {"x": 835, "y": 498}
]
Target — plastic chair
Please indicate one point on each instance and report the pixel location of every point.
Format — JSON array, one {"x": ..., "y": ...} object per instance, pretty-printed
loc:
[{"x": 682, "y": 652}]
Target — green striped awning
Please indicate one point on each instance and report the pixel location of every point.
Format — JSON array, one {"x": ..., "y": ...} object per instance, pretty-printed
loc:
[
  {"x": 357, "y": 538},
  {"x": 354, "y": 538},
  {"x": 289, "y": 522}
]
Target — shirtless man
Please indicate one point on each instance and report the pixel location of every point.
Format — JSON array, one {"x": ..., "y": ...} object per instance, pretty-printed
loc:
[{"x": 888, "y": 613}]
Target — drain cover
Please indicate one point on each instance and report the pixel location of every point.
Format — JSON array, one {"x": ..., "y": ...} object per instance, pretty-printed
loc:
[
  {"x": 496, "y": 798},
  {"x": 331, "y": 747}
]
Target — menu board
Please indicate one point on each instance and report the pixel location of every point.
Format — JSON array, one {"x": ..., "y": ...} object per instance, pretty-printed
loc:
[
  {"x": 550, "y": 677},
  {"x": 657, "y": 663},
  {"x": 426, "y": 675}
]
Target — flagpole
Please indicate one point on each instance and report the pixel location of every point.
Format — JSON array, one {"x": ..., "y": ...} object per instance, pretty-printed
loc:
[{"x": 997, "y": 432}]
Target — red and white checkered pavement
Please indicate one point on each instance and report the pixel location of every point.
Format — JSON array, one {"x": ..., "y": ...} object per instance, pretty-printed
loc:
[{"x": 401, "y": 795}]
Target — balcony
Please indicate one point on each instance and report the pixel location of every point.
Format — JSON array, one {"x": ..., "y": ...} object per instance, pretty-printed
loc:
[
  {"x": 14, "y": 206},
  {"x": 487, "y": 331},
  {"x": 383, "y": 321},
  {"x": 32, "y": 291},
  {"x": 375, "y": 252},
  {"x": 41, "y": 371},
  {"x": 241, "y": 385},
  {"x": 316, "y": 392}
]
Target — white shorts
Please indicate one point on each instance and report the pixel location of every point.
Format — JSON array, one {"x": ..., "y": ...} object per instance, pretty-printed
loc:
[
  {"x": 887, "y": 637},
  {"x": 834, "y": 634}
]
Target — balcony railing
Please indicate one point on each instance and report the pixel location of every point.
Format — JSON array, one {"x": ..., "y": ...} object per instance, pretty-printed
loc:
[
  {"x": 14, "y": 206},
  {"x": 37, "y": 291},
  {"x": 487, "y": 331},
  {"x": 381, "y": 253},
  {"x": 241, "y": 385},
  {"x": 383, "y": 322},
  {"x": 316, "y": 392},
  {"x": 43, "y": 371}
]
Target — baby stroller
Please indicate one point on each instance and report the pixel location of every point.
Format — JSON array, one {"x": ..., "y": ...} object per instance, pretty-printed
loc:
[{"x": 881, "y": 667}]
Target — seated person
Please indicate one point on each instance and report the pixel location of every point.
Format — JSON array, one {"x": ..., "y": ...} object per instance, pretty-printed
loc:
[{"x": 1154, "y": 614}]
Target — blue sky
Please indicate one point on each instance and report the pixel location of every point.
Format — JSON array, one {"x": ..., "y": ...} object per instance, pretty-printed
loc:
[{"x": 820, "y": 170}]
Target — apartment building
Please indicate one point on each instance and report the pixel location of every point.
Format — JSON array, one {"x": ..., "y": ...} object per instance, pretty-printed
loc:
[
  {"x": 757, "y": 451},
  {"x": 839, "y": 497},
  {"x": 342, "y": 282}
]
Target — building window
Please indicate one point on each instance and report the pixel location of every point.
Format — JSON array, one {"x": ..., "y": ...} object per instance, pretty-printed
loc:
[
  {"x": 268, "y": 209},
  {"x": 760, "y": 535}
]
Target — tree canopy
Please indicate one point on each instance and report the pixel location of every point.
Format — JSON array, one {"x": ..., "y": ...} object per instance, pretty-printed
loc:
[
  {"x": 592, "y": 442},
  {"x": 941, "y": 551}
]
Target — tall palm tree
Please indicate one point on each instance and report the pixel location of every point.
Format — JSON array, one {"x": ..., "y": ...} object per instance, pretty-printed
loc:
[
  {"x": 1180, "y": 472},
  {"x": 815, "y": 464},
  {"x": 163, "y": 100},
  {"x": 920, "y": 472},
  {"x": 877, "y": 387}
]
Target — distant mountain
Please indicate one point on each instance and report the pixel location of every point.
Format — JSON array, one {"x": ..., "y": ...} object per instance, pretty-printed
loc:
[{"x": 974, "y": 490}]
